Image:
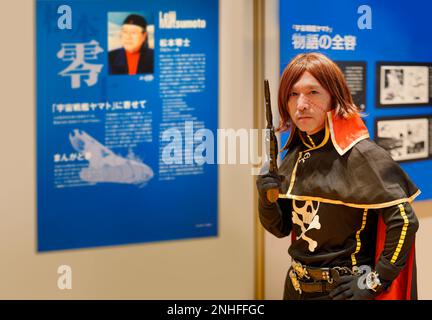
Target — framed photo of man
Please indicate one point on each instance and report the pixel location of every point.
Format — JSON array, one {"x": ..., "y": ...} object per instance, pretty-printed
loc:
[{"x": 130, "y": 43}]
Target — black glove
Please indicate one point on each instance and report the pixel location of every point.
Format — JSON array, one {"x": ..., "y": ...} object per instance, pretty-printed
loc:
[
  {"x": 266, "y": 181},
  {"x": 348, "y": 288}
]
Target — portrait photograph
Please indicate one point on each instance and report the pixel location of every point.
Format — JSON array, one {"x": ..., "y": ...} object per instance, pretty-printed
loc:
[{"x": 130, "y": 43}]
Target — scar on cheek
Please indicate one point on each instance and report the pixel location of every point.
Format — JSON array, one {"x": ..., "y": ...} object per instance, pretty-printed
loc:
[{"x": 319, "y": 107}]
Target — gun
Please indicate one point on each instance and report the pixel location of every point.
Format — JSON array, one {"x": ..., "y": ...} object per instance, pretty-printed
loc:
[{"x": 272, "y": 194}]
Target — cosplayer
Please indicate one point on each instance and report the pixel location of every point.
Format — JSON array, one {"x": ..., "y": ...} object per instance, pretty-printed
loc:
[{"x": 346, "y": 203}]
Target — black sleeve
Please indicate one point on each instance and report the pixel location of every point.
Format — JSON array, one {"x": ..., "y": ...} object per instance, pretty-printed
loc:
[
  {"x": 401, "y": 226},
  {"x": 276, "y": 217}
]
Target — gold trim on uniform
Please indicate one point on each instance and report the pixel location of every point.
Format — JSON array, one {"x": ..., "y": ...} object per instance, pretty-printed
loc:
[
  {"x": 288, "y": 195},
  {"x": 311, "y": 140},
  {"x": 304, "y": 142},
  {"x": 293, "y": 175},
  {"x": 357, "y": 250},
  {"x": 403, "y": 234}
]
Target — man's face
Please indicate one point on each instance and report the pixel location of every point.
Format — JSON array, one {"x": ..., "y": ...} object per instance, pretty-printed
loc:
[
  {"x": 308, "y": 104},
  {"x": 132, "y": 37}
]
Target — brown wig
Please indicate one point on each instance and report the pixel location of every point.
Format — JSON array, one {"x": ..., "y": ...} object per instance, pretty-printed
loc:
[{"x": 328, "y": 75}]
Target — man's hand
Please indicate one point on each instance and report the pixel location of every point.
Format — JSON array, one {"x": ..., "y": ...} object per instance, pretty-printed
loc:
[
  {"x": 266, "y": 181},
  {"x": 347, "y": 288}
]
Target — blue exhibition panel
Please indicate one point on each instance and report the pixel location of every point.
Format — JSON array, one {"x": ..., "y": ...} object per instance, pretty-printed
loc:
[{"x": 118, "y": 153}]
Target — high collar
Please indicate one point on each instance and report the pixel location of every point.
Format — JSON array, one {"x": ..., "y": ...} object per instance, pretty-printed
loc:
[
  {"x": 344, "y": 133},
  {"x": 313, "y": 140}
]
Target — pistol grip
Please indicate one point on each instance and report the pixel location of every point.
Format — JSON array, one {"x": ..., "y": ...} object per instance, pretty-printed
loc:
[{"x": 272, "y": 195}]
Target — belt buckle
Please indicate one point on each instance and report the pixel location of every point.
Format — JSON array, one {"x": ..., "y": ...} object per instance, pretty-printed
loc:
[
  {"x": 294, "y": 280},
  {"x": 300, "y": 270},
  {"x": 326, "y": 276}
]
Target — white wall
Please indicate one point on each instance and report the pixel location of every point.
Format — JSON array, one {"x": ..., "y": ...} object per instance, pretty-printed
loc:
[
  {"x": 215, "y": 268},
  {"x": 423, "y": 210},
  {"x": 277, "y": 259}
]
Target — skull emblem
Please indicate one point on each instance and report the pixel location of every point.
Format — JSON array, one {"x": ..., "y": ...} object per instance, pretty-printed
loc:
[{"x": 309, "y": 220}]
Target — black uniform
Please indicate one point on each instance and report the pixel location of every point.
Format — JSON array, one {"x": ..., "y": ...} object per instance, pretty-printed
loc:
[{"x": 332, "y": 203}]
